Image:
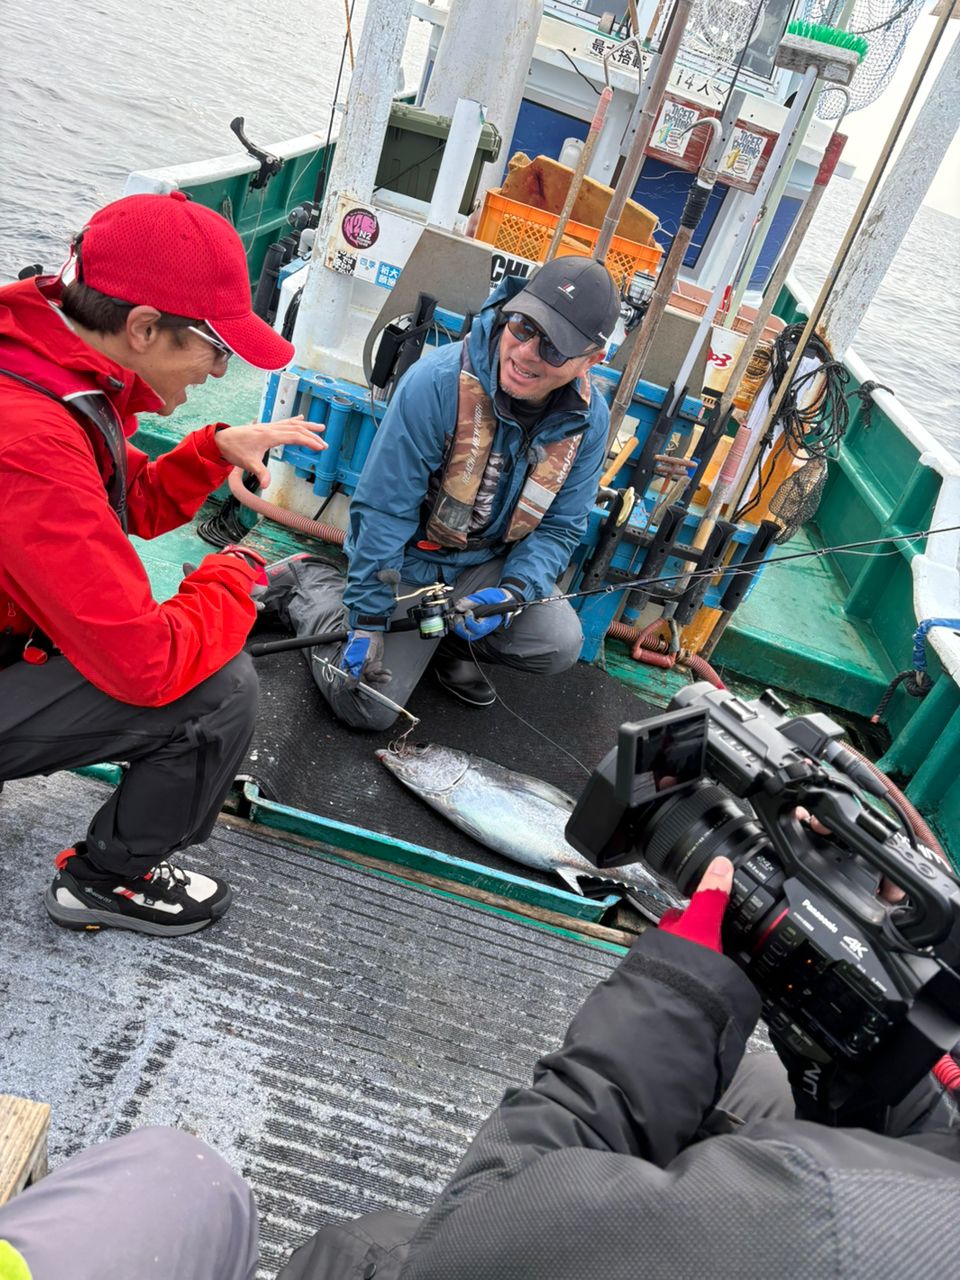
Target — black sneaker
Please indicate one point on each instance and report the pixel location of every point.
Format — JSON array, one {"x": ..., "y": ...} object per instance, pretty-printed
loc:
[{"x": 167, "y": 901}]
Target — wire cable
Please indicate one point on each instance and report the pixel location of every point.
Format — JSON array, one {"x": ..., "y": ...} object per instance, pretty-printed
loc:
[
  {"x": 586, "y": 79},
  {"x": 517, "y": 716},
  {"x": 815, "y": 428},
  {"x": 733, "y": 570}
]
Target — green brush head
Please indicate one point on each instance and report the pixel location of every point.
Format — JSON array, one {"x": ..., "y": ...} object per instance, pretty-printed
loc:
[
  {"x": 834, "y": 54},
  {"x": 823, "y": 34}
]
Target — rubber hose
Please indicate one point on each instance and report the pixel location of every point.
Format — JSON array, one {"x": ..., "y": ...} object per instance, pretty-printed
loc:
[
  {"x": 645, "y": 643},
  {"x": 642, "y": 646},
  {"x": 280, "y": 515},
  {"x": 947, "y": 1073},
  {"x": 654, "y": 659},
  {"x": 920, "y": 828},
  {"x": 702, "y": 668}
]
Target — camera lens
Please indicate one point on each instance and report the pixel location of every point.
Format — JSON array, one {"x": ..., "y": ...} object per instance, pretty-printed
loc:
[{"x": 687, "y": 830}]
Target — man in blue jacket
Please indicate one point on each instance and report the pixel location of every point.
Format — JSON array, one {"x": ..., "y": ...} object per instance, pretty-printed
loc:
[{"x": 482, "y": 477}]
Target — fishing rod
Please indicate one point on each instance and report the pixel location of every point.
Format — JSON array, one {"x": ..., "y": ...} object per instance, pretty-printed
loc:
[
  {"x": 432, "y": 617},
  {"x": 732, "y": 570}
]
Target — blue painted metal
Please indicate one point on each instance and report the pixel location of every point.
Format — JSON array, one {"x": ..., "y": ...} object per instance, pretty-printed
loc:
[
  {"x": 783, "y": 220},
  {"x": 597, "y": 612},
  {"x": 449, "y": 327},
  {"x": 342, "y": 835},
  {"x": 664, "y": 190},
  {"x": 350, "y": 416}
]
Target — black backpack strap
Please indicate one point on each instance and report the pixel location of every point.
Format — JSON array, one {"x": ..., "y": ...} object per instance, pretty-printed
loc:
[{"x": 94, "y": 412}]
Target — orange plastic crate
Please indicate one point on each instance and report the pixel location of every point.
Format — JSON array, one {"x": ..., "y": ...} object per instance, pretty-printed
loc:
[{"x": 526, "y": 232}]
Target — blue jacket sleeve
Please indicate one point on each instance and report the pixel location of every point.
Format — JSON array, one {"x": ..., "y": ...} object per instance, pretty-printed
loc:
[
  {"x": 535, "y": 563},
  {"x": 385, "y": 509}
]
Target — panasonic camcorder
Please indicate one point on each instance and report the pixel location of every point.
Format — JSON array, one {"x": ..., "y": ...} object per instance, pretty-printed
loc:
[{"x": 864, "y": 990}]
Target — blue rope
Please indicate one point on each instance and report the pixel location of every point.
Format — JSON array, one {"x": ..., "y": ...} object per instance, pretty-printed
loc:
[{"x": 920, "y": 635}]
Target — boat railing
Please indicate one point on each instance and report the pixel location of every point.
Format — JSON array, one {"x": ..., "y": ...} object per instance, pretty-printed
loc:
[{"x": 935, "y": 569}]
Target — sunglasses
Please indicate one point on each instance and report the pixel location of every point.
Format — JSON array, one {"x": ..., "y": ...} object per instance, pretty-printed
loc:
[
  {"x": 223, "y": 351},
  {"x": 525, "y": 330}
]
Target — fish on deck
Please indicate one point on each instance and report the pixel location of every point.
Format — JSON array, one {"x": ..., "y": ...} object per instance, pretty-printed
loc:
[{"x": 519, "y": 816}]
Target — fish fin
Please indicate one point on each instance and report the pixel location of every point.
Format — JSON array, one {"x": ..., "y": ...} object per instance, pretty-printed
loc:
[
  {"x": 546, "y": 791},
  {"x": 650, "y": 907},
  {"x": 568, "y": 875}
]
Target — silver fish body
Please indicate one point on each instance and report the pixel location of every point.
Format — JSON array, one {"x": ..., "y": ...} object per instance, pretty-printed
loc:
[{"x": 517, "y": 815}]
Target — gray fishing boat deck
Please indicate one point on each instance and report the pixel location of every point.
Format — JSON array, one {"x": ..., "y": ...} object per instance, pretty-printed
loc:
[{"x": 338, "y": 1036}]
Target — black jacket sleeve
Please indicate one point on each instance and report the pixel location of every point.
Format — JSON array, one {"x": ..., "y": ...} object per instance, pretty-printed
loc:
[{"x": 644, "y": 1060}]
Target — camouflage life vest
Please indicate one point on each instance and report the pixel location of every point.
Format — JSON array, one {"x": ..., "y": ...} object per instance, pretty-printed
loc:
[{"x": 466, "y": 461}]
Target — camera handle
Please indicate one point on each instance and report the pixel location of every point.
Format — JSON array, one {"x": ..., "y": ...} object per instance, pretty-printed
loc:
[{"x": 922, "y": 876}]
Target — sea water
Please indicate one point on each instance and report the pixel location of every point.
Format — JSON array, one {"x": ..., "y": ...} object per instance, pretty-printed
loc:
[{"x": 95, "y": 88}]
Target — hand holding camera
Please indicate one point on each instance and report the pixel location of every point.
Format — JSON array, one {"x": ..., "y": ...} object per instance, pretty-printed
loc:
[{"x": 858, "y": 979}]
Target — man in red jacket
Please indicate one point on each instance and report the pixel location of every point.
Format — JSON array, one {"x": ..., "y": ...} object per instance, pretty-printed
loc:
[{"x": 154, "y": 298}]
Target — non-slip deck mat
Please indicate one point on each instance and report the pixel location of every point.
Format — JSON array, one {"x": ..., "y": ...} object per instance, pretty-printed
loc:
[
  {"x": 305, "y": 759},
  {"x": 338, "y": 1036}
]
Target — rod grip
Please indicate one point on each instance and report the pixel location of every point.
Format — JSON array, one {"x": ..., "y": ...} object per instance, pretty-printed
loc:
[{"x": 830, "y": 157}]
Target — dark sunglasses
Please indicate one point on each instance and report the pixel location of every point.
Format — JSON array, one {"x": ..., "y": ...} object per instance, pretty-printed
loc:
[{"x": 525, "y": 330}]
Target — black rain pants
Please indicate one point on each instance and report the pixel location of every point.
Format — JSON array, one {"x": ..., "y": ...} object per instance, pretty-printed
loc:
[{"x": 181, "y": 758}]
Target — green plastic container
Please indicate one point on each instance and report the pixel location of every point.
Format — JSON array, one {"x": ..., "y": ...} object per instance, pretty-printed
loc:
[{"x": 413, "y": 149}]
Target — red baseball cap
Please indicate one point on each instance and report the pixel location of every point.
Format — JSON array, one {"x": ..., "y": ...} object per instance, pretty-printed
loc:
[{"x": 167, "y": 252}]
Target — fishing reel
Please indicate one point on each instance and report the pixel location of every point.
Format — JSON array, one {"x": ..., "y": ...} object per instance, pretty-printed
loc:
[{"x": 434, "y": 615}]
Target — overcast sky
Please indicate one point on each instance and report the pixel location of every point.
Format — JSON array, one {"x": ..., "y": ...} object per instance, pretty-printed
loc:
[{"x": 868, "y": 129}]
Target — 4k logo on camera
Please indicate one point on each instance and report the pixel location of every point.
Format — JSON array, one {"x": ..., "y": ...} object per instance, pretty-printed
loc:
[{"x": 855, "y": 947}]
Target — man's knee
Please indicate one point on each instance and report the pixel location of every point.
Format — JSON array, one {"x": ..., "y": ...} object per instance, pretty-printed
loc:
[
  {"x": 232, "y": 693},
  {"x": 202, "y": 1223},
  {"x": 172, "y": 1158},
  {"x": 176, "y": 1169},
  {"x": 567, "y": 640},
  {"x": 357, "y": 711},
  {"x": 759, "y": 1090},
  {"x": 545, "y": 643}
]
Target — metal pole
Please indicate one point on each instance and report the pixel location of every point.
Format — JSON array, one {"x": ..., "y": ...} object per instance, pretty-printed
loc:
[
  {"x": 782, "y": 269},
  {"x": 747, "y": 216},
  {"x": 895, "y": 206},
  {"x": 660, "y": 77},
  {"x": 586, "y": 152},
  {"x": 703, "y": 185},
  {"x": 459, "y": 153},
  {"x": 773, "y": 201},
  {"x": 326, "y": 296},
  {"x": 839, "y": 261},
  {"x": 505, "y": 28}
]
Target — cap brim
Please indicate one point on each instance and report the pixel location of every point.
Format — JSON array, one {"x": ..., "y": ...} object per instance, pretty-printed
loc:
[
  {"x": 253, "y": 340},
  {"x": 566, "y": 337}
]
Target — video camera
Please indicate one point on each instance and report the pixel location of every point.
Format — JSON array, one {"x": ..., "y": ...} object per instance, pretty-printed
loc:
[{"x": 866, "y": 991}]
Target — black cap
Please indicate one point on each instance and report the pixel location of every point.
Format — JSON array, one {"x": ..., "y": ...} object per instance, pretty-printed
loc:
[{"x": 574, "y": 301}]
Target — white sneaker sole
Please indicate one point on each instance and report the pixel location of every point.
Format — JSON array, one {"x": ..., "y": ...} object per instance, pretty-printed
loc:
[{"x": 88, "y": 917}]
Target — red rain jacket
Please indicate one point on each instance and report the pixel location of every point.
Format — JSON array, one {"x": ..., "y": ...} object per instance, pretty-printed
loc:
[{"x": 66, "y": 566}]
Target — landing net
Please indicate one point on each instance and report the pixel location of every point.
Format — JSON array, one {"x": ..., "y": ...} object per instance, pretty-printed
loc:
[{"x": 886, "y": 25}]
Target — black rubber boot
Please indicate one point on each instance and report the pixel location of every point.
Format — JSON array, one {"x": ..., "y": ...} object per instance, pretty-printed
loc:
[{"x": 457, "y": 671}]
